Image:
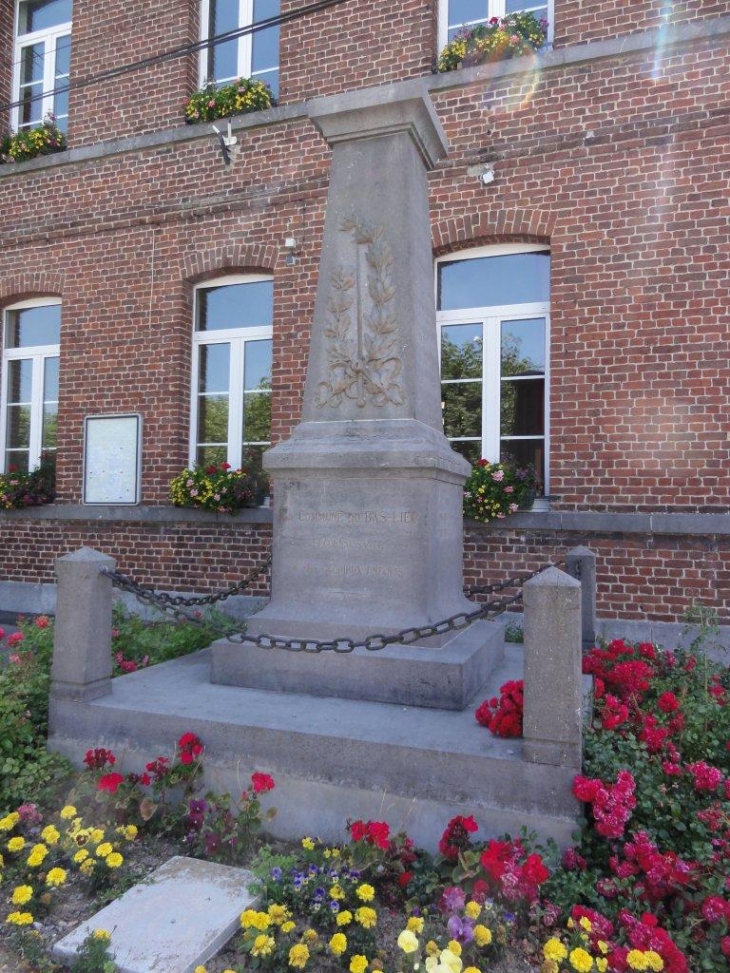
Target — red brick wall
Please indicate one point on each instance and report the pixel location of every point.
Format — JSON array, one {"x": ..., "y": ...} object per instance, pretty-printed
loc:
[
  {"x": 108, "y": 34},
  {"x": 640, "y": 577},
  {"x": 202, "y": 558},
  {"x": 577, "y": 21},
  {"x": 6, "y": 60},
  {"x": 355, "y": 45}
]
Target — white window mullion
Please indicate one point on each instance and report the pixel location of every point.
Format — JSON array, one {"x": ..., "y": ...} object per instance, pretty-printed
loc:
[
  {"x": 235, "y": 404},
  {"x": 245, "y": 43},
  {"x": 491, "y": 391},
  {"x": 36, "y": 411}
]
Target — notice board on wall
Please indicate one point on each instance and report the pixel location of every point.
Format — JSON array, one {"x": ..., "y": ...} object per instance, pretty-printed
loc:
[{"x": 112, "y": 459}]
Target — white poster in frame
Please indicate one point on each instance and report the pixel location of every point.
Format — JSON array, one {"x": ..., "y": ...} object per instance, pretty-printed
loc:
[{"x": 112, "y": 459}]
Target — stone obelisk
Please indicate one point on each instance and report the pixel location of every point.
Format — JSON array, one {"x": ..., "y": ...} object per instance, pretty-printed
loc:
[{"x": 367, "y": 491}]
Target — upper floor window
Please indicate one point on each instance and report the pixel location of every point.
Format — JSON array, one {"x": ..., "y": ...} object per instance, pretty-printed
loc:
[
  {"x": 455, "y": 15},
  {"x": 42, "y": 61},
  {"x": 253, "y": 55},
  {"x": 493, "y": 314},
  {"x": 231, "y": 406},
  {"x": 29, "y": 405}
]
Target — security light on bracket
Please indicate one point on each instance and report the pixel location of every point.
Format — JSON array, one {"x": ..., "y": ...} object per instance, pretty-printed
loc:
[{"x": 227, "y": 143}]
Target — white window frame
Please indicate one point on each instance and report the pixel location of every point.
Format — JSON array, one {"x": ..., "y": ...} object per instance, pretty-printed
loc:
[
  {"x": 237, "y": 338},
  {"x": 38, "y": 354},
  {"x": 245, "y": 44},
  {"x": 496, "y": 8},
  {"x": 490, "y": 317},
  {"x": 50, "y": 37}
]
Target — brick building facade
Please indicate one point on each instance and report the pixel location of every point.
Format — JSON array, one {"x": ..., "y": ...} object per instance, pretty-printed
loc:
[{"x": 610, "y": 150}]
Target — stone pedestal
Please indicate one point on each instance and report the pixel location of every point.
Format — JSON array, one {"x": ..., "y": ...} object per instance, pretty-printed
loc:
[{"x": 368, "y": 492}]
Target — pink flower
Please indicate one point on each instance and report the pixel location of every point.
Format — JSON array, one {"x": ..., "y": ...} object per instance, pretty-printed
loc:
[
  {"x": 15, "y": 639},
  {"x": 42, "y": 621}
]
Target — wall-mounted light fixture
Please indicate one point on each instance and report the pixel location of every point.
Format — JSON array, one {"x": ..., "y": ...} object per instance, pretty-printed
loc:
[
  {"x": 290, "y": 245},
  {"x": 486, "y": 174}
]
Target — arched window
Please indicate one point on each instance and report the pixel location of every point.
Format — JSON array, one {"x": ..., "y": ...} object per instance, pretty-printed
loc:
[
  {"x": 493, "y": 309},
  {"x": 29, "y": 407},
  {"x": 232, "y": 341}
]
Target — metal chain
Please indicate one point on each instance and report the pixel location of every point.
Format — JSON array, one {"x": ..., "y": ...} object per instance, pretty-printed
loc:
[
  {"x": 372, "y": 643},
  {"x": 162, "y": 599}
]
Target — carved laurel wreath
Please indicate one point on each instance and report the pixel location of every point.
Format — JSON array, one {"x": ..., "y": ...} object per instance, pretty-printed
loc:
[{"x": 362, "y": 355}]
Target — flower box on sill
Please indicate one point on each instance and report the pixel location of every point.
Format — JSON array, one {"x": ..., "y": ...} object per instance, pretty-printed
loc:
[
  {"x": 497, "y": 40},
  {"x": 44, "y": 139},
  {"x": 495, "y": 490},
  {"x": 238, "y": 98},
  {"x": 219, "y": 488}
]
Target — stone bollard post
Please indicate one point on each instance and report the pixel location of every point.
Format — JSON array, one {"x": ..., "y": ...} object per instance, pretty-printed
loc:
[
  {"x": 82, "y": 647},
  {"x": 580, "y": 564},
  {"x": 553, "y": 678}
]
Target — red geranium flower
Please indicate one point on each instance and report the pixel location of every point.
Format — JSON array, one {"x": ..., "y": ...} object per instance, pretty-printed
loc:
[
  {"x": 262, "y": 783},
  {"x": 110, "y": 782},
  {"x": 190, "y": 747}
]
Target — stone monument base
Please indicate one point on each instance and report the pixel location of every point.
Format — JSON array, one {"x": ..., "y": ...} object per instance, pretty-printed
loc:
[{"x": 445, "y": 677}]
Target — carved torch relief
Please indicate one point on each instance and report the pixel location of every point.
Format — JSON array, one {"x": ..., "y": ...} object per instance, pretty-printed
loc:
[{"x": 363, "y": 358}]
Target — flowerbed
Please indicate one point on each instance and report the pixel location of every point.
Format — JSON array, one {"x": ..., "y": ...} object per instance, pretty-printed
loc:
[{"x": 645, "y": 886}]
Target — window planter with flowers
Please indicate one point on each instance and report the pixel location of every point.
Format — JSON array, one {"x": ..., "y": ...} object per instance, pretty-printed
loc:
[
  {"x": 44, "y": 139},
  {"x": 21, "y": 490},
  {"x": 497, "y": 40},
  {"x": 238, "y": 98},
  {"x": 495, "y": 490},
  {"x": 219, "y": 488}
]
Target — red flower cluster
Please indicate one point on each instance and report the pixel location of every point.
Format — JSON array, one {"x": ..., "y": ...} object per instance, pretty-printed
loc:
[
  {"x": 503, "y": 716},
  {"x": 158, "y": 768},
  {"x": 626, "y": 678},
  {"x": 189, "y": 748},
  {"x": 376, "y": 833},
  {"x": 612, "y": 804},
  {"x": 262, "y": 783},
  {"x": 456, "y": 836},
  {"x": 110, "y": 782},
  {"x": 512, "y": 872},
  {"x": 98, "y": 758},
  {"x": 657, "y": 875}
]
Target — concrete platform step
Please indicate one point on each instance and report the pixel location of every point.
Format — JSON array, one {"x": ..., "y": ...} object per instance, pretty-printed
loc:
[
  {"x": 331, "y": 758},
  {"x": 183, "y": 914}
]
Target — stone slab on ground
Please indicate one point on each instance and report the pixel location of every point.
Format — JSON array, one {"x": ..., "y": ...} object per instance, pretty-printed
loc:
[{"x": 174, "y": 921}]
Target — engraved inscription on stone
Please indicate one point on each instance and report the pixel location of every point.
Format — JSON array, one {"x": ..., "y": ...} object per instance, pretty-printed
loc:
[
  {"x": 392, "y": 517},
  {"x": 362, "y": 354}
]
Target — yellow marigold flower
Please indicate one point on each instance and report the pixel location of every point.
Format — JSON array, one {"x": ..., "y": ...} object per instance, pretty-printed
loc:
[
  {"x": 472, "y": 910},
  {"x": 338, "y": 944},
  {"x": 580, "y": 960},
  {"x": 637, "y": 960},
  {"x": 81, "y": 855},
  {"x": 308, "y": 844},
  {"x": 199, "y": 969},
  {"x": 114, "y": 860},
  {"x": 415, "y": 924},
  {"x": 9, "y": 821},
  {"x": 255, "y": 920},
  {"x": 16, "y": 844},
  {"x": 310, "y": 936},
  {"x": 288, "y": 926},
  {"x": 344, "y": 918},
  {"x": 602, "y": 964},
  {"x": 554, "y": 950},
  {"x": 37, "y": 855},
  {"x": 298, "y": 956},
  {"x": 102, "y": 935},
  {"x": 128, "y": 831},
  {"x": 432, "y": 948},
  {"x": 408, "y": 941},
  {"x": 365, "y": 892},
  {"x": 656, "y": 963},
  {"x": 358, "y": 963},
  {"x": 50, "y": 835},
  {"x": 482, "y": 935},
  {"x": 454, "y": 946},
  {"x": 56, "y": 877},
  {"x": 336, "y": 892},
  {"x": 20, "y": 919},
  {"x": 104, "y": 849},
  {"x": 68, "y": 812},
  {"x": 263, "y": 945},
  {"x": 366, "y": 916},
  {"x": 278, "y": 913},
  {"x": 22, "y": 894},
  {"x": 96, "y": 835}
]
